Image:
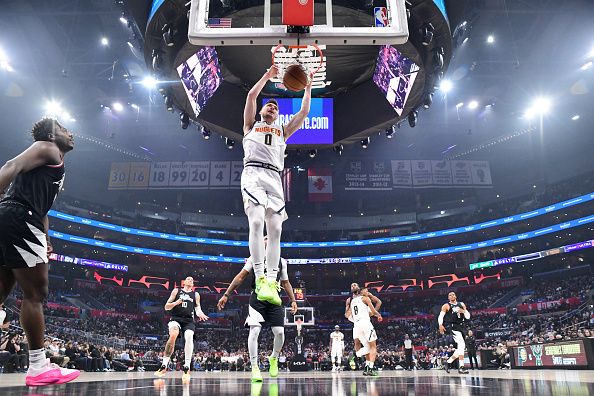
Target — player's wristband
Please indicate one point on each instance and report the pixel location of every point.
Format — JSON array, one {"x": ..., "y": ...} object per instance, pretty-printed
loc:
[{"x": 226, "y": 295}]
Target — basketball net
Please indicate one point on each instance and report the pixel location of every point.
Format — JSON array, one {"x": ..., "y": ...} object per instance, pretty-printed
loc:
[
  {"x": 309, "y": 57},
  {"x": 299, "y": 324}
]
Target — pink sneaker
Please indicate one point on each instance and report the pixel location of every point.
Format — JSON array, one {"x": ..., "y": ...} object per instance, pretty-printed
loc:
[{"x": 51, "y": 375}]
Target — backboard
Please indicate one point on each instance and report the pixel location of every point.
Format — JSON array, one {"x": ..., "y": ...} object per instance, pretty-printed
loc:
[
  {"x": 258, "y": 22},
  {"x": 305, "y": 313}
]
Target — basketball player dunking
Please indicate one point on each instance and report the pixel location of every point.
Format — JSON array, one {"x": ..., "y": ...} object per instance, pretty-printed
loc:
[
  {"x": 263, "y": 313},
  {"x": 264, "y": 156},
  {"x": 451, "y": 318},
  {"x": 183, "y": 303},
  {"x": 35, "y": 178},
  {"x": 359, "y": 310},
  {"x": 336, "y": 348}
]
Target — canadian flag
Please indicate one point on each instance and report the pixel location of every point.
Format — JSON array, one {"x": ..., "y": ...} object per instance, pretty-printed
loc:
[{"x": 320, "y": 185}]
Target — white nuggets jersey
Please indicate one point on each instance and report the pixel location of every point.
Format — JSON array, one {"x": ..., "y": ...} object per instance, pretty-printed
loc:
[
  {"x": 337, "y": 340},
  {"x": 359, "y": 310},
  {"x": 265, "y": 143}
]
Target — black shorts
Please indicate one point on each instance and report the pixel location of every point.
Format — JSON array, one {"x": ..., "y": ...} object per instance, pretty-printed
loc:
[
  {"x": 22, "y": 239},
  {"x": 263, "y": 313},
  {"x": 182, "y": 324}
]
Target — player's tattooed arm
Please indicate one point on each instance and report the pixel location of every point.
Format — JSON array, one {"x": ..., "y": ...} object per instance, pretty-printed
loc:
[
  {"x": 376, "y": 302},
  {"x": 374, "y": 312},
  {"x": 235, "y": 283},
  {"x": 289, "y": 289},
  {"x": 38, "y": 154},
  {"x": 198, "y": 308},
  {"x": 170, "y": 302},
  {"x": 347, "y": 309}
]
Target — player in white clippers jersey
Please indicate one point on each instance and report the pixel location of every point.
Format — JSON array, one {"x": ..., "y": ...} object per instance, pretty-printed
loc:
[
  {"x": 359, "y": 310},
  {"x": 336, "y": 348},
  {"x": 264, "y": 146}
]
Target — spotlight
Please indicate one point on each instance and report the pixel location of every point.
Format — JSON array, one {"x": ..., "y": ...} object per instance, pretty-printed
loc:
[
  {"x": 490, "y": 39},
  {"x": 428, "y": 100},
  {"x": 168, "y": 34},
  {"x": 230, "y": 143},
  {"x": 391, "y": 131},
  {"x": 465, "y": 40},
  {"x": 157, "y": 60},
  {"x": 53, "y": 108},
  {"x": 365, "y": 142},
  {"x": 123, "y": 20},
  {"x": 135, "y": 106},
  {"x": 104, "y": 41},
  {"x": 338, "y": 149},
  {"x": 184, "y": 120},
  {"x": 413, "y": 116},
  {"x": 446, "y": 86},
  {"x": 427, "y": 32},
  {"x": 575, "y": 117},
  {"x": 540, "y": 106},
  {"x": 150, "y": 82},
  {"x": 459, "y": 105},
  {"x": 437, "y": 61},
  {"x": 117, "y": 106},
  {"x": 473, "y": 104},
  {"x": 586, "y": 66},
  {"x": 168, "y": 103},
  {"x": 205, "y": 133},
  {"x": 313, "y": 153}
]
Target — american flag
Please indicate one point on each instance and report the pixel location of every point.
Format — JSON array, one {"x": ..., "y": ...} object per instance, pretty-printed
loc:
[
  {"x": 287, "y": 177},
  {"x": 219, "y": 22}
]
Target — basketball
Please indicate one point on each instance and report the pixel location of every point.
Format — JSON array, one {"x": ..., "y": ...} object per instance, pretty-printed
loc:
[{"x": 295, "y": 78}]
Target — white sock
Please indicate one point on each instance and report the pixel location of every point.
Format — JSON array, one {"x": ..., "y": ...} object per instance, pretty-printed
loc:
[
  {"x": 166, "y": 361},
  {"x": 37, "y": 359},
  {"x": 259, "y": 270},
  {"x": 370, "y": 364}
]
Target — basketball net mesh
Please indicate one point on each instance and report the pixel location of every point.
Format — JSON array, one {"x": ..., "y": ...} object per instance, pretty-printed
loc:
[{"x": 309, "y": 57}]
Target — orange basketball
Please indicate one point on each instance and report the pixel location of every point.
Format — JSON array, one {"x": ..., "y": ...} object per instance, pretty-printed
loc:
[{"x": 295, "y": 78}]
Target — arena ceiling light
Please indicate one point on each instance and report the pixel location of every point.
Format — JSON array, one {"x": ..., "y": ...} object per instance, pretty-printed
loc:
[
  {"x": 391, "y": 131},
  {"x": 150, "y": 82},
  {"x": 540, "y": 106},
  {"x": 490, "y": 39},
  {"x": 184, "y": 120},
  {"x": 575, "y": 117},
  {"x": 365, "y": 142},
  {"x": 459, "y": 105},
  {"x": 313, "y": 153},
  {"x": 135, "y": 106},
  {"x": 4, "y": 62},
  {"x": 338, "y": 149},
  {"x": 473, "y": 104},
  {"x": 230, "y": 143},
  {"x": 413, "y": 117},
  {"x": 446, "y": 86},
  {"x": 117, "y": 106},
  {"x": 104, "y": 41},
  {"x": 123, "y": 20},
  {"x": 586, "y": 66},
  {"x": 428, "y": 100},
  {"x": 168, "y": 103}
]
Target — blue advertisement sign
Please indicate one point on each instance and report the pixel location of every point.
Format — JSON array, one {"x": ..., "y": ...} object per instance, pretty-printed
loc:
[{"x": 318, "y": 127}]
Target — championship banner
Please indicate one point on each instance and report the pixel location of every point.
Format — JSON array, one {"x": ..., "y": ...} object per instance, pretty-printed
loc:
[
  {"x": 368, "y": 175},
  {"x": 319, "y": 185}
]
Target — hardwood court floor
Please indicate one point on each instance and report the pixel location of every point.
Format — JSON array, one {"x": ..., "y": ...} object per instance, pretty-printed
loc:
[{"x": 490, "y": 382}]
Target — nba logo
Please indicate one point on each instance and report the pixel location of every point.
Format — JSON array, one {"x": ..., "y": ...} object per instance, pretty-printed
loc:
[{"x": 381, "y": 16}]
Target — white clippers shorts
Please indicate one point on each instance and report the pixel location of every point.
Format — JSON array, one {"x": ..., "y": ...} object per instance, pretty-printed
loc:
[
  {"x": 263, "y": 187},
  {"x": 365, "y": 332},
  {"x": 460, "y": 343}
]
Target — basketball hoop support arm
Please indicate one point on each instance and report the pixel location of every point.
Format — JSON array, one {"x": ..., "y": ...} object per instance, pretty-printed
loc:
[{"x": 199, "y": 33}]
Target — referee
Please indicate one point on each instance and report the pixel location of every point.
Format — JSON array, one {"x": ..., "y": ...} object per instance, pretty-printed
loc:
[{"x": 408, "y": 352}]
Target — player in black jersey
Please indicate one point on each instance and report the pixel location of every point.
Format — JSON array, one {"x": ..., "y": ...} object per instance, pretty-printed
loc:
[
  {"x": 184, "y": 304},
  {"x": 263, "y": 313},
  {"x": 32, "y": 181},
  {"x": 451, "y": 318}
]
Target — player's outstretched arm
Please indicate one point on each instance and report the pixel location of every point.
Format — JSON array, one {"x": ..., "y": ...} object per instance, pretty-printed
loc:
[
  {"x": 249, "y": 112},
  {"x": 198, "y": 308},
  {"x": 289, "y": 289},
  {"x": 38, "y": 154},
  {"x": 298, "y": 119},
  {"x": 170, "y": 302},
  {"x": 347, "y": 309},
  {"x": 235, "y": 283}
]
